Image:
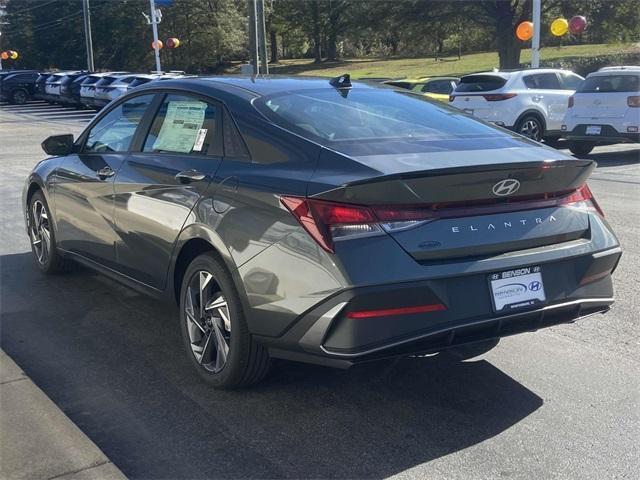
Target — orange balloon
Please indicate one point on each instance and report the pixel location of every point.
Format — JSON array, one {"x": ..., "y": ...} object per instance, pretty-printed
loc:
[
  {"x": 4, "y": 55},
  {"x": 524, "y": 31},
  {"x": 159, "y": 46}
]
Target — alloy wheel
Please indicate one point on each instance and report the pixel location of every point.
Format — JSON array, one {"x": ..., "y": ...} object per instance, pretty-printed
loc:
[
  {"x": 208, "y": 321},
  {"x": 40, "y": 232},
  {"x": 531, "y": 128}
]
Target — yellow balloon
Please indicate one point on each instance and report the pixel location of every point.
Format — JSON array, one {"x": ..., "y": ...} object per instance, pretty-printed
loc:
[
  {"x": 559, "y": 27},
  {"x": 14, "y": 55}
]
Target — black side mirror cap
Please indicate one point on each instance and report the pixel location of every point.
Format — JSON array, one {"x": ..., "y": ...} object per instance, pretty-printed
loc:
[{"x": 58, "y": 145}]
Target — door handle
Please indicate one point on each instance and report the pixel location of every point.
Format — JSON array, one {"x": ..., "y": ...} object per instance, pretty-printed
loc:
[
  {"x": 191, "y": 175},
  {"x": 105, "y": 173}
]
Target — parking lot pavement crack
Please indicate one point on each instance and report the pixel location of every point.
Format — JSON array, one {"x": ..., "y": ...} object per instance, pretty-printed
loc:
[{"x": 84, "y": 469}]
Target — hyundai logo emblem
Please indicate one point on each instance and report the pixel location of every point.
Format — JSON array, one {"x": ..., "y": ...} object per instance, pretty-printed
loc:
[
  {"x": 506, "y": 187},
  {"x": 535, "y": 286}
]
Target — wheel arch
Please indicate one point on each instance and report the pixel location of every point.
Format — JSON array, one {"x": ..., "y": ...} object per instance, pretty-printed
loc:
[
  {"x": 195, "y": 240},
  {"x": 535, "y": 112}
]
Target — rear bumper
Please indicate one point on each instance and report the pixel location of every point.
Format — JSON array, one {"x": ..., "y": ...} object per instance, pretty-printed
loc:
[
  {"x": 608, "y": 135},
  {"x": 575, "y": 288}
]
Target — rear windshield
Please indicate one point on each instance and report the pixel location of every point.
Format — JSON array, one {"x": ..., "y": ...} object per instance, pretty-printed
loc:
[
  {"x": 610, "y": 83},
  {"x": 368, "y": 115},
  {"x": 480, "y": 83}
]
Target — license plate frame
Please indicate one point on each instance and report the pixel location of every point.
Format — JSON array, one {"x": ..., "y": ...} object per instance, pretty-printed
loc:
[
  {"x": 593, "y": 130},
  {"x": 518, "y": 289}
]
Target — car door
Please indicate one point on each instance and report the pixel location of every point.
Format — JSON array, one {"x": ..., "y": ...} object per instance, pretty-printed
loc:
[
  {"x": 84, "y": 188},
  {"x": 546, "y": 92},
  {"x": 160, "y": 183}
]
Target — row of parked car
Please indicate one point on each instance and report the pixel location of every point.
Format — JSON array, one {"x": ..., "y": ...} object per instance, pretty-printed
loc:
[
  {"x": 542, "y": 104},
  {"x": 78, "y": 89},
  {"x": 547, "y": 104}
]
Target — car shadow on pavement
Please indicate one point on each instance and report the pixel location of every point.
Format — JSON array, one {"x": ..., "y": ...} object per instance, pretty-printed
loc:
[
  {"x": 113, "y": 361},
  {"x": 614, "y": 159}
]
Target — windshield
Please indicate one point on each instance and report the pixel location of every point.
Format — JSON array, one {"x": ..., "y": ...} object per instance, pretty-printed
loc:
[
  {"x": 368, "y": 115},
  {"x": 610, "y": 84}
]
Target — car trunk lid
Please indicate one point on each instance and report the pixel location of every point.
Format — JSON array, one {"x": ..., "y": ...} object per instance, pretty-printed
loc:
[{"x": 468, "y": 208}]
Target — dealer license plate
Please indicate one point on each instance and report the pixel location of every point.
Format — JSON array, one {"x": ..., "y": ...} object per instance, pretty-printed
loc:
[
  {"x": 593, "y": 129},
  {"x": 516, "y": 289}
]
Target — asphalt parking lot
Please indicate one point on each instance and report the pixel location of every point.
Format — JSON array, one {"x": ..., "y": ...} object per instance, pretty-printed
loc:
[{"x": 559, "y": 403}]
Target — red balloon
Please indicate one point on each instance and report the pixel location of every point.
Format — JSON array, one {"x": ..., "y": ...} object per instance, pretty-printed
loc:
[{"x": 577, "y": 24}]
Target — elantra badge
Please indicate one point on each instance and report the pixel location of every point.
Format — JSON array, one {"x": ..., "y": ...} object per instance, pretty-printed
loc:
[{"x": 506, "y": 187}]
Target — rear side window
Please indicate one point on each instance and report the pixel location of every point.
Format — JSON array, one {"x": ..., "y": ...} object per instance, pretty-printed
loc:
[
  {"x": 611, "y": 84},
  {"x": 114, "y": 131},
  {"x": 542, "y": 81},
  {"x": 480, "y": 83},
  {"x": 185, "y": 124},
  {"x": 234, "y": 146}
]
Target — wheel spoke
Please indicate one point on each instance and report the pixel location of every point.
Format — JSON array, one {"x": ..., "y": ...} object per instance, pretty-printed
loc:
[
  {"x": 205, "y": 278},
  {"x": 189, "y": 310},
  {"x": 222, "y": 346},
  {"x": 206, "y": 356}
]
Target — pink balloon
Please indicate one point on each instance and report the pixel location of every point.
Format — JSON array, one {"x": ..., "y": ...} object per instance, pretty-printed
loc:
[{"x": 577, "y": 24}]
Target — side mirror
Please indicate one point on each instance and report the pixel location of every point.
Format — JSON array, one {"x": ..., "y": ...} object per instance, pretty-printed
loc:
[{"x": 58, "y": 145}]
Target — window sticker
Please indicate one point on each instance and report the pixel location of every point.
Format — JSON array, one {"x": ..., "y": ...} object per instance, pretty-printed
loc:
[
  {"x": 181, "y": 126},
  {"x": 197, "y": 146}
]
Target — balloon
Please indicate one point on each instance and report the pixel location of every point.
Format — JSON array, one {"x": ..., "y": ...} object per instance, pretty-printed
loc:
[
  {"x": 159, "y": 45},
  {"x": 13, "y": 55},
  {"x": 4, "y": 55},
  {"x": 559, "y": 27},
  {"x": 173, "y": 42},
  {"x": 524, "y": 31},
  {"x": 577, "y": 24}
]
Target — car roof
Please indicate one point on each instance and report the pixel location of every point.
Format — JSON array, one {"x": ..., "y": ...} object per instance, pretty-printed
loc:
[
  {"x": 270, "y": 84},
  {"x": 631, "y": 70},
  {"x": 511, "y": 73}
]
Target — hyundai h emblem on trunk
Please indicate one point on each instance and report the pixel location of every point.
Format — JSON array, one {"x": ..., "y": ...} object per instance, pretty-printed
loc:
[{"x": 506, "y": 187}]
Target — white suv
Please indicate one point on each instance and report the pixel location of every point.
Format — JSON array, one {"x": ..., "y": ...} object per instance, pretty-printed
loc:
[
  {"x": 530, "y": 102},
  {"x": 604, "y": 110}
]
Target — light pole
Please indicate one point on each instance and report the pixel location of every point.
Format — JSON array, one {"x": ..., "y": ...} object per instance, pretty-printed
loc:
[
  {"x": 87, "y": 34},
  {"x": 535, "y": 43},
  {"x": 154, "y": 26}
]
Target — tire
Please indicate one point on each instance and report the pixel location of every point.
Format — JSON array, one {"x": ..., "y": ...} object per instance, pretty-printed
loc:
[
  {"x": 580, "y": 149},
  {"x": 471, "y": 350},
  {"x": 42, "y": 236},
  {"x": 208, "y": 333},
  {"x": 531, "y": 127},
  {"x": 19, "y": 97}
]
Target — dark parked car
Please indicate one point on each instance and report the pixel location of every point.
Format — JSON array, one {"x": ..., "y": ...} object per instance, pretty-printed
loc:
[
  {"x": 41, "y": 82},
  {"x": 18, "y": 87},
  {"x": 320, "y": 221},
  {"x": 70, "y": 89}
]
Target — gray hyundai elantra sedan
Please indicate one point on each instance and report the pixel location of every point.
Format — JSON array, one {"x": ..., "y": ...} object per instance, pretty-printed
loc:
[{"x": 322, "y": 221}]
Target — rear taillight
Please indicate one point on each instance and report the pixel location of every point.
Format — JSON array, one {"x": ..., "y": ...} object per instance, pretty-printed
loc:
[
  {"x": 633, "y": 101},
  {"x": 583, "y": 199},
  {"x": 570, "y": 105},
  {"x": 328, "y": 222},
  {"x": 496, "y": 97}
]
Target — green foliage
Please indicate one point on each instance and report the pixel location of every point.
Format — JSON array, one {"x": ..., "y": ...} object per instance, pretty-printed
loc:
[
  {"x": 213, "y": 33},
  {"x": 585, "y": 65}
]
